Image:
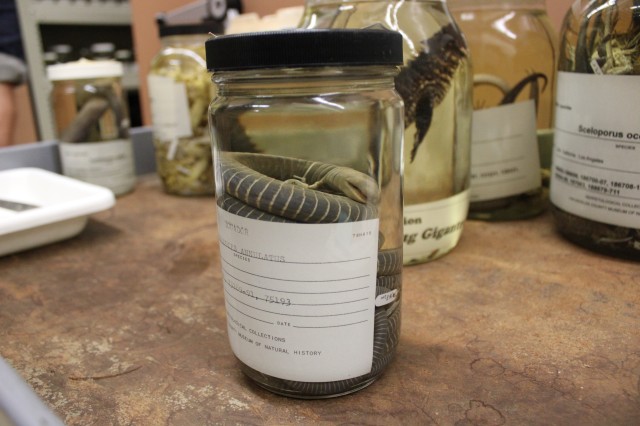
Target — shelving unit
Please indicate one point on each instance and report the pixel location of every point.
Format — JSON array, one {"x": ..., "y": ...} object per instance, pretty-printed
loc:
[{"x": 74, "y": 19}]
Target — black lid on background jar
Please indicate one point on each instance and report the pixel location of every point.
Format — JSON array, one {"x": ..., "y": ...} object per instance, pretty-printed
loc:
[
  {"x": 304, "y": 48},
  {"x": 204, "y": 27}
]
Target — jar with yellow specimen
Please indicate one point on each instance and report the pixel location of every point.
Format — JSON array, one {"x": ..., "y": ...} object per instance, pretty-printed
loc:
[{"x": 180, "y": 91}]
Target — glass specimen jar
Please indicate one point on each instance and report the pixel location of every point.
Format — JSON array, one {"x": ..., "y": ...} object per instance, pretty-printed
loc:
[
  {"x": 307, "y": 140},
  {"x": 435, "y": 85},
  {"x": 92, "y": 123},
  {"x": 513, "y": 48},
  {"x": 595, "y": 184},
  {"x": 180, "y": 91}
]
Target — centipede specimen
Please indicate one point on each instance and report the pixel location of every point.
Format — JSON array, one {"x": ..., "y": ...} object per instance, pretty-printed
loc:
[{"x": 424, "y": 81}]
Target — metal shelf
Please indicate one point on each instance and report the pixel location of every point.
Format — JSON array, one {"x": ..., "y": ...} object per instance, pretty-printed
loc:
[
  {"x": 35, "y": 13},
  {"x": 79, "y": 12}
]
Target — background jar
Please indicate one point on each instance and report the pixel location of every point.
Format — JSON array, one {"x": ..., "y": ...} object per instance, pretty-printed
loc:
[
  {"x": 435, "y": 84},
  {"x": 92, "y": 123},
  {"x": 180, "y": 91},
  {"x": 595, "y": 184},
  {"x": 307, "y": 141},
  {"x": 514, "y": 54}
]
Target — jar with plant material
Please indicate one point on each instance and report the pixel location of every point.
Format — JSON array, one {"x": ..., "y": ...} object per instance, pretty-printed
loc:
[
  {"x": 180, "y": 91},
  {"x": 435, "y": 85},
  {"x": 307, "y": 141},
  {"x": 513, "y": 47},
  {"x": 92, "y": 123},
  {"x": 595, "y": 184}
]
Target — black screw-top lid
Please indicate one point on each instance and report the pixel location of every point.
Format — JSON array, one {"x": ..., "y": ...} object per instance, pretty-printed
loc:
[
  {"x": 304, "y": 48},
  {"x": 203, "y": 27}
]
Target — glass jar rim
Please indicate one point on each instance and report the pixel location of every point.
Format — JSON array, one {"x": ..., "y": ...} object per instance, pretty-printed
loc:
[
  {"x": 330, "y": 71},
  {"x": 455, "y": 4}
]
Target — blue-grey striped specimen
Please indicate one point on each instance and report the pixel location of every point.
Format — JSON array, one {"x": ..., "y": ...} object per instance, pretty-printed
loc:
[{"x": 282, "y": 189}]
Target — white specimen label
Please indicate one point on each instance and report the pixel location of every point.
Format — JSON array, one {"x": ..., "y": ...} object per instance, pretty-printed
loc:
[
  {"x": 432, "y": 228},
  {"x": 169, "y": 108},
  {"x": 596, "y": 157},
  {"x": 300, "y": 298},
  {"x": 109, "y": 164},
  {"x": 504, "y": 151},
  {"x": 385, "y": 298}
]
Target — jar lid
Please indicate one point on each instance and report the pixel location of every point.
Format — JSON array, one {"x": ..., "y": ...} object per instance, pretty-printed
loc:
[
  {"x": 83, "y": 69},
  {"x": 204, "y": 27},
  {"x": 304, "y": 48}
]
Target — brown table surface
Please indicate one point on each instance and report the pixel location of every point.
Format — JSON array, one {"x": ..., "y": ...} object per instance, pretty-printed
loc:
[{"x": 125, "y": 325}]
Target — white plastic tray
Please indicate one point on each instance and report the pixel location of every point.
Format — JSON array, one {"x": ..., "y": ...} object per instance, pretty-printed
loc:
[{"x": 64, "y": 205}]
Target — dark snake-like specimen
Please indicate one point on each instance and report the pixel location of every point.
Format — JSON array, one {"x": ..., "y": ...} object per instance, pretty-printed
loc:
[
  {"x": 534, "y": 93},
  {"x": 509, "y": 96},
  {"x": 100, "y": 100},
  {"x": 424, "y": 81},
  {"x": 281, "y": 189}
]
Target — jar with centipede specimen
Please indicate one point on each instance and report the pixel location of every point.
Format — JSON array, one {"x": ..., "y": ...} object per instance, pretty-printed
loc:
[
  {"x": 92, "y": 123},
  {"x": 595, "y": 184},
  {"x": 307, "y": 143},
  {"x": 435, "y": 85},
  {"x": 513, "y": 48}
]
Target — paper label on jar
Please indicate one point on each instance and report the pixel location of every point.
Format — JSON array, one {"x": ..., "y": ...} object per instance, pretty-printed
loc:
[
  {"x": 597, "y": 148},
  {"x": 169, "y": 108},
  {"x": 109, "y": 164},
  {"x": 300, "y": 298},
  {"x": 433, "y": 228},
  {"x": 504, "y": 151}
]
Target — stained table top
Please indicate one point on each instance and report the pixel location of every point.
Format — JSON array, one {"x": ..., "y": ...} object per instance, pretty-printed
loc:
[{"x": 125, "y": 324}]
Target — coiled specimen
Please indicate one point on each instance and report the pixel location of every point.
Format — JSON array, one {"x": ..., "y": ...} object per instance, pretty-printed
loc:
[{"x": 281, "y": 189}]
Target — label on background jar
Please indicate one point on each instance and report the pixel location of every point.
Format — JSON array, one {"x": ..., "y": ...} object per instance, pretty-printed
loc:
[
  {"x": 169, "y": 108},
  {"x": 300, "y": 298},
  {"x": 109, "y": 164},
  {"x": 596, "y": 156},
  {"x": 433, "y": 228},
  {"x": 504, "y": 152}
]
